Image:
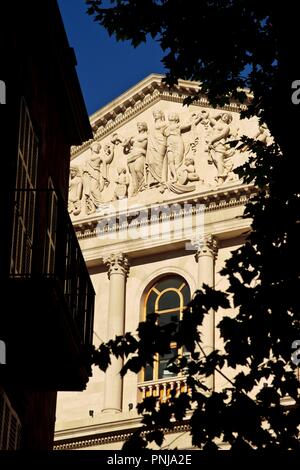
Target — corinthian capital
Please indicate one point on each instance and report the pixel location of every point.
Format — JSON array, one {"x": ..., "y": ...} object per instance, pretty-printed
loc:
[
  {"x": 117, "y": 264},
  {"x": 206, "y": 245}
]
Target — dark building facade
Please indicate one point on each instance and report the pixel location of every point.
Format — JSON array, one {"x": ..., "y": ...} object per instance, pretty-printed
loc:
[{"x": 47, "y": 302}]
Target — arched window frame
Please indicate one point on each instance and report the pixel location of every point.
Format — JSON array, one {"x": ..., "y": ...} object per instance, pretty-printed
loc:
[{"x": 180, "y": 308}]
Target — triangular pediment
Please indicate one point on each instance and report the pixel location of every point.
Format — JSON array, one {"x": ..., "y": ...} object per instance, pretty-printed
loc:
[{"x": 149, "y": 148}]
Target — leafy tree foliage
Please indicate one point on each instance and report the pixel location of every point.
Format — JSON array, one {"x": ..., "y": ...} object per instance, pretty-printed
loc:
[{"x": 230, "y": 45}]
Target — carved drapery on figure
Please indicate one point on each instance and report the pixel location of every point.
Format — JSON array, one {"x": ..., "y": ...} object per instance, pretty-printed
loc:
[
  {"x": 95, "y": 173},
  {"x": 219, "y": 140},
  {"x": 121, "y": 184},
  {"x": 135, "y": 148},
  {"x": 93, "y": 181},
  {"x": 75, "y": 191},
  {"x": 156, "y": 165},
  {"x": 181, "y": 171},
  {"x": 175, "y": 144},
  {"x": 166, "y": 151}
]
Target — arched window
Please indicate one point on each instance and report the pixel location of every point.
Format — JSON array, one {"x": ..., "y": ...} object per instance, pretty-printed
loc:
[{"x": 167, "y": 297}]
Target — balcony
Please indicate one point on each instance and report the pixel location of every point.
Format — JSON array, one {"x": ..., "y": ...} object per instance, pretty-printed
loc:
[
  {"x": 48, "y": 322},
  {"x": 162, "y": 388}
]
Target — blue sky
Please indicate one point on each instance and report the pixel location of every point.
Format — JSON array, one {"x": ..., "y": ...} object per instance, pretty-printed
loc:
[{"x": 106, "y": 68}]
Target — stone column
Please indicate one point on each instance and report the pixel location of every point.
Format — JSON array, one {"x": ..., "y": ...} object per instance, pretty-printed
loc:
[
  {"x": 207, "y": 249},
  {"x": 118, "y": 268}
]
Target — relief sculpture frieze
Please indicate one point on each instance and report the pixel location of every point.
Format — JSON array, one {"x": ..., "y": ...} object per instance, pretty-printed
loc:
[{"x": 164, "y": 152}]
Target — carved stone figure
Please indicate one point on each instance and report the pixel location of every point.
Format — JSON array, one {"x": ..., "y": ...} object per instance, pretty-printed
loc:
[
  {"x": 108, "y": 155},
  {"x": 187, "y": 172},
  {"x": 263, "y": 134},
  {"x": 95, "y": 173},
  {"x": 136, "y": 147},
  {"x": 218, "y": 144},
  {"x": 122, "y": 183},
  {"x": 156, "y": 165},
  {"x": 75, "y": 191},
  {"x": 93, "y": 181},
  {"x": 175, "y": 144},
  {"x": 166, "y": 148}
]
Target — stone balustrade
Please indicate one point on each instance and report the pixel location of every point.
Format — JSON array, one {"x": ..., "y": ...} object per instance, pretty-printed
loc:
[{"x": 162, "y": 388}]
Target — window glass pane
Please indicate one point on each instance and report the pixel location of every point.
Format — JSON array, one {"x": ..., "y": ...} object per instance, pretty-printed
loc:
[
  {"x": 151, "y": 302},
  {"x": 148, "y": 375},
  {"x": 169, "y": 299},
  {"x": 163, "y": 373},
  {"x": 165, "y": 318},
  {"x": 172, "y": 281},
  {"x": 186, "y": 294}
]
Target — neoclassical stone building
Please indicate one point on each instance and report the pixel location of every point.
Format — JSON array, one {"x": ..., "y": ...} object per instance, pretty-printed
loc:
[{"x": 157, "y": 210}]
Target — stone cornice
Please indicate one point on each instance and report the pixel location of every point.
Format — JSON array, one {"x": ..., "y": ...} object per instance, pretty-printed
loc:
[
  {"x": 139, "y": 98},
  {"x": 234, "y": 229},
  {"x": 107, "y": 438},
  {"x": 212, "y": 201},
  {"x": 96, "y": 439}
]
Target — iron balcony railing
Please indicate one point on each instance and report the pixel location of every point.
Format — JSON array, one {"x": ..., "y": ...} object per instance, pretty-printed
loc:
[{"x": 44, "y": 245}]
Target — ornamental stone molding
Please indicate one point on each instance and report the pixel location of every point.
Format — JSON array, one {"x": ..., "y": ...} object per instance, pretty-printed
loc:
[
  {"x": 205, "y": 245},
  {"x": 109, "y": 438},
  {"x": 117, "y": 221},
  {"x": 117, "y": 264},
  {"x": 144, "y": 94}
]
